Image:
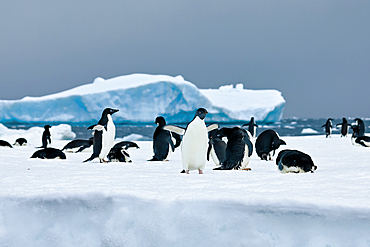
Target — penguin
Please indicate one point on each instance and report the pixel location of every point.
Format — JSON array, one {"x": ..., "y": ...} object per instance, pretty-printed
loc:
[
  {"x": 268, "y": 141},
  {"x": 49, "y": 153},
  {"x": 5, "y": 144},
  {"x": 46, "y": 136},
  {"x": 104, "y": 134},
  {"x": 163, "y": 144},
  {"x": 294, "y": 161},
  {"x": 344, "y": 127},
  {"x": 119, "y": 152},
  {"x": 20, "y": 142},
  {"x": 239, "y": 149},
  {"x": 328, "y": 126},
  {"x": 252, "y": 127},
  {"x": 216, "y": 147},
  {"x": 359, "y": 127},
  {"x": 194, "y": 142},
  {"x": 359, "y": 140},
  {"x": 78, "y": 145}
]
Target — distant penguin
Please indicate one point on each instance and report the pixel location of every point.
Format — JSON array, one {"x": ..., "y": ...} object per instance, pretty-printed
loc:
[
  {"x": 328, "y": 126},
  {"x": 194, "y": 142},
  {"x": 252, "y": 127},
  {"x": 119, "y": 152},
  {"x": 216, "y": 147},
  {"x": 49, "y": 153},
  {"x": 5, "y": 144},
  {"x": 239, "y": 149},
  {"x": 268, "y": 141},
  {"x": 20, "y": 142},
  {"x": 294, "y": 161},
  {"x": 46, "y": 136},
  {"x": 359, "y": 127},
  {"x": 163, "y": 144},
  {"x": 104, "y": 134},
  {"x": 78, "y": 145},
  {"x": 344, "y": 127}
]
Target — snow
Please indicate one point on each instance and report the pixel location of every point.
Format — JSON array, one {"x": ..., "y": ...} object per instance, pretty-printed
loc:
[
  {"x": 309, "y": 131},
  {"x": 70, "y": 203},
  {"x": 141, "y": 98}
]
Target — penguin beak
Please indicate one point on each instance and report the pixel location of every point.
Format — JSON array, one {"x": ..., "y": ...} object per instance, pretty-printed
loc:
[{"x": 114, "y": 110}]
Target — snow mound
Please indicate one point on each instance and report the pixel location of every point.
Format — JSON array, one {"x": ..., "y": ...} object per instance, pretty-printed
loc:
[
  {"x": 33, "y": 135},
  {"x": 98, "y": 220},
  {"x": 309, "y": 131},
  {"x": 141, "y": 98}
]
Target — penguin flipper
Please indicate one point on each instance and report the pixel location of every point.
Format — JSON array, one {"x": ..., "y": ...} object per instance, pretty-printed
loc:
[
  {"x": 212, "y": 127},
  {"x": 96, "y": 127},
  {"x": 176, "y": 129},
  {"x": 177, "y": 138},
  {"x": 209, "y": 150},
  {"x": 250, "y": 146}
]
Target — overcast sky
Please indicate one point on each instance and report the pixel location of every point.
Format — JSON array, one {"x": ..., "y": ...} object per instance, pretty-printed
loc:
[{"x": 317, "y": 52}]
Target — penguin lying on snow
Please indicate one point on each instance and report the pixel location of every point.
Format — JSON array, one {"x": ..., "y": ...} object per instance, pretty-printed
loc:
[
  {"x": 20, "y": 142},
  {"x": 104, "y": 133},
  {"x": 216, "y": 147},
  {"x": 163, "y": 144},
  {"x": 344, "y": 127},
  {"x": 78, "y": 145},
  {"x": 119, "y": 153},
  {"x": 238, "y": 150},
  {"x": 252, "y": 127},
  {"x": 359, "y": 140},
  {"x": 5, "y": 144},
  {"x": 49, "y": 153},
  {"x": 46, "y": 136},
  {"x": 194, "y": 142},
  {"x": 268, "y": 141},
  {"x": 328, "y": 126},
  {"x": 294, "y": 161}
]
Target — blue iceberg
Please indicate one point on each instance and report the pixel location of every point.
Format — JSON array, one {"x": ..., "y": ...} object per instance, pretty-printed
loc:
[{"x": 141, "y": 98}]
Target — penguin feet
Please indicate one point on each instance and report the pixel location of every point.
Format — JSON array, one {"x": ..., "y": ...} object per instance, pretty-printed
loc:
[
  {"x": 200, "y": 172},
  {"x": 246, "y": 169},
  {"x": 103, "y": 161}
]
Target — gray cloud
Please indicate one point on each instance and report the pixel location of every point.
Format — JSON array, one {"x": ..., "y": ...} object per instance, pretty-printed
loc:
[{"x": 315, "y": 52}]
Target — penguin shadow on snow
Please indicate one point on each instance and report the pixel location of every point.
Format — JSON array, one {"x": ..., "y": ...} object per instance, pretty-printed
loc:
[
  {"x": 194, "y": 142},
  {"x": 164, "y": 141}
]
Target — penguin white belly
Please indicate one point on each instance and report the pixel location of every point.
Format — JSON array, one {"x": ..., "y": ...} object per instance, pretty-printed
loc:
[
  {"x": 194, "y": 146},
  {"x": 214, "y": 157},
  {"x": 246, "y": 159},
  {"x": 107, "y": 138},
  {"x": 293, "y": 169}
]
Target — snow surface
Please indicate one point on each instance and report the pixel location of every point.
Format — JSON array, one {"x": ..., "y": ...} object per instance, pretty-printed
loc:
[
  {"x": 70, "y": 203},
  {"x": 143, "y": 97}
]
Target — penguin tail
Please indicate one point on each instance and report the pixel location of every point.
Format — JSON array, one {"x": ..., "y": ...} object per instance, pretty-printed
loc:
[{"x": 93, "y": 156}]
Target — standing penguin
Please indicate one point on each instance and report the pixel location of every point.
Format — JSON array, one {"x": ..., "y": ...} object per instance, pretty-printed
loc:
[
  {"x": 328, "y": 126},
  {"x": 268, "y": 141},
  {"x": 163, "y": 144},
  {"x": 359, "y": 127},
  {"x": 239, "y": 149},
  {"x": 252, "y": 127},
  {"x": 216, "y": 147},
  {"x": 46, "y": 136},
  {"x": 344, "y": 127},
  {"x": 194, "y": 142},
  {"x": 104, "y": 134}
]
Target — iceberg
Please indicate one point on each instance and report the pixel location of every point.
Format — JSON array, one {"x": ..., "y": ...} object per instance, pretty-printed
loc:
[{"x": 141, "y": 98}]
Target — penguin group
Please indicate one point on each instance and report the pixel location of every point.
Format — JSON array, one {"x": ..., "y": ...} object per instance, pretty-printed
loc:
[{"x": 230, "y": 148}]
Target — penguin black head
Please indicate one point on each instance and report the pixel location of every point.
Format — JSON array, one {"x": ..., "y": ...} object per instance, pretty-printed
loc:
[
  {"x": 47, "y": 126},
  {"x": 109, "y": 111},
  {"x": 201, "y": 113},
  {"x": 160, "y": 121}
]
